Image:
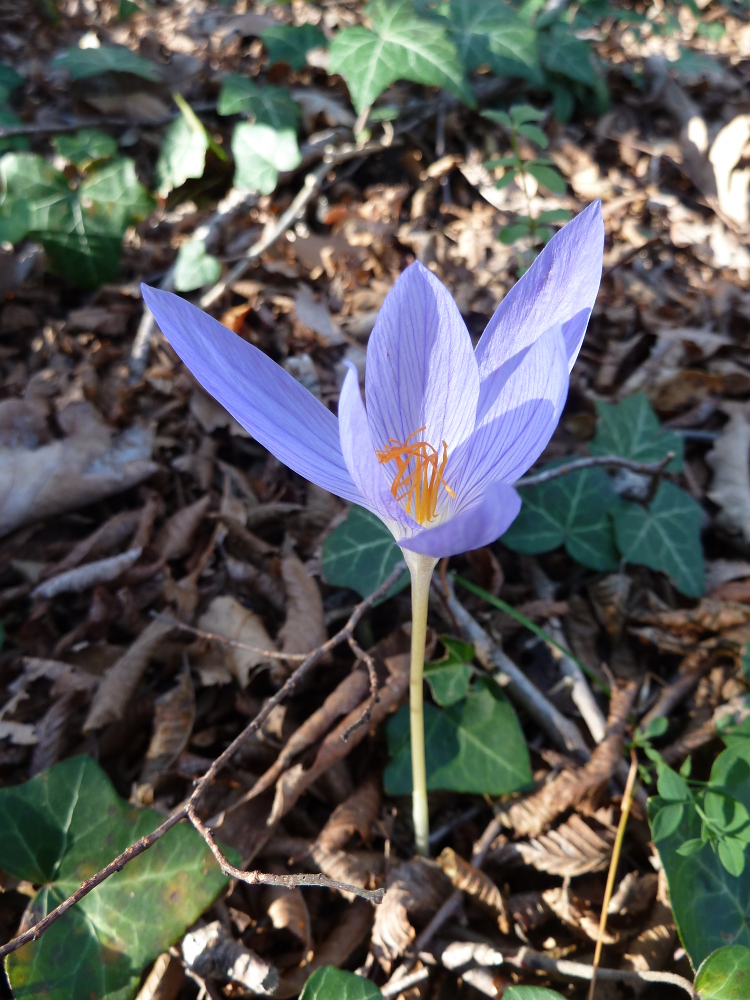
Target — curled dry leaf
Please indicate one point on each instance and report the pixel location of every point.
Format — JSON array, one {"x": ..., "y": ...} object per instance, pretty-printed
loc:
[
  {"x": 175, "y": 539},
  {"x": 572, "y": 849},
  {"x": 344, "y": 867},
  {"x": 20, "y": 734},
  {"x": 213, "y": 954},
  {"x": 415, "y": 889},
  {"x": 653, "y": 947},
  {"x": 52, "y": 732},
  {"x": 114, "y": 532},
  {"x": 90, "y": 463},
  {"x": 304, "y": 628},
  {"x": 530, "y": 815},
  {"x": 75, "y": 581},
  {"x": 730, "y": 487},
  {"x": 577, "y": 915},
  {"x": 355, "y": 815},
  {"x": 225, "y": 616},
  {"x": 475, "y": 883},
  {"x": 287, "y": 910},
  {"x": 122, "y": 678},
  {"x": 174, "y": 715},
  {"x": 165, "y": 980},
  {"x": 529, "y": 910},
  {"x": 212, "y": 415},
  {"x": 634, "y": 894}
]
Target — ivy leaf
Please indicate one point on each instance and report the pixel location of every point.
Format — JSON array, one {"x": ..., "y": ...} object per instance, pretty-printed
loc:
[
  {"x": 401, "y": 46},
  {"x": 571, "y": 511},
  {"x": 666, "y": 537},
  {"x": 490, "y": 33},
  {"x": 85, "y": 147},
  {"x": 360, "y": 553},
  {"x": 724, "y": 975},
  {"x": 330, "y": 983},
  {"x": 476, "y": 745},
  {"x": 261, "y": 153},
  {"x": 9, "y": 119},
  {"x": 631, "y": 429},
  {"x": 195, "y": 267},
  {"x": 183, "y": 151},
  {"x": 531, "y": 993},
  {"x": 290, "y": 43},
  {"x": 9, "y": 81},
  {"x": 82, "y": 63},
  {"x": 449, "y": 677},
  {"x": 563, "y": 53},
  {"x": 268, "y": 105},
  {"x": 58, "y": 829}
]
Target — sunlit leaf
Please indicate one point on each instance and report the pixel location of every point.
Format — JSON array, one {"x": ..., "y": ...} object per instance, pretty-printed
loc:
[
  {"x": 548, "y": 177},
  {"x": 267, "y": 105},
  {"x": 290, "y": 43},
  {"x": 195, "y": 267},
  {"x": 261, "y": 153},
  {"x": 360, "y": 553},
  {"x": 563, "y": 53},
  {"x": 82, "y": 63},
  {"x": 490, "y": 33},
  {"x": 183, "y": 153},
  {"x": 631, "y": 429},
  {"x": 724, "y": 975},
  {"x": 85, "y": 147},
  {"x": 330, "y": 983}
]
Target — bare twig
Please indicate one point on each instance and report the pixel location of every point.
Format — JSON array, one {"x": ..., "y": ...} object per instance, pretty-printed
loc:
[
  {"x": 188, "y": 810},
  {"x": 374, "y": 696},
  {"x": 627, "y": 801},
  {"x": 200, "y": 633},
  {"x": 645, "y": 468}
]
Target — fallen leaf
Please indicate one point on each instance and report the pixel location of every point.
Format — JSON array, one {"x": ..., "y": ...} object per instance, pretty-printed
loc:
[
  {"x": 474, "y": 883},
  {"x": 175, "y": 540},
  {"x": 654, "y": 946},
  {"x": 355, "y": 815},
  {"x": 174, "y": 714},
  {"x": 226, "y": 617},
  {"x": 304, "y": 628},
  {"x": 730, "y": 486},
  {"x": 211, "y": 952},
  {"x": 75, "y": 581},
  {"x": 20, "y": 734},
  {"x": 287, "y": 910},
  {"x": 414, "y": 888},
  {"x": 572, "y": 849},
  {"x": 316, "y": 316}
]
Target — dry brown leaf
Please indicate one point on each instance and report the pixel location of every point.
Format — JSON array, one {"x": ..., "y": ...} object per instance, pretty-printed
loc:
[
  {"x": 121, "y": 680},
  {"x": 732, "y": 185},
  {"x": 634, "y": 894},
  {"x": 20, "y": 734},
  {"x": 654, "y": 946},
  {"x": 213, "y": 953},
  {"x": 114, "y": 532},
  {"x": 529, "y": 910},
  {"x": 175, "y": 539},
  {"x": 344, "y": 867},
  {"x": 474, "y": 883},
  {"x": 287, "y": 910},
  {"x": 174, "y": 714},
  {"x": 575, "y": 914},
  {"x": 348, "y": 933},
  {"x": 90, "y": 463},
  {"x": 52, "y": 732},
  {"x": 304, "y": 628},
  {"x": 165, "y": 980},
  {"x": 316, "y": 316},
  {"x": 212, "y": 415},
  {"x": 730, "y": 486},
  {"x": 573, "y": 848},
  {"x": 355, "y": 815},
  {"x": 75, "y": 581},
  {"x": 225, "y": 616},
  {"x": 415, "y": 889},
  {"x": 530, "y": 815}
]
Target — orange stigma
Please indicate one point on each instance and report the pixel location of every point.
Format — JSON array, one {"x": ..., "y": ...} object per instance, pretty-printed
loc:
[{"x": 419, "y": 488}]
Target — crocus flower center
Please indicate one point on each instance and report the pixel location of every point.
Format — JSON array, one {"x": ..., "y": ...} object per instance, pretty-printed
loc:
[{"x": 419, "y": 474}]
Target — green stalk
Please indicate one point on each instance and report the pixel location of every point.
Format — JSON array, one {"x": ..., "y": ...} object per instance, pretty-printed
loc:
[{"x": 421, "y": 568}]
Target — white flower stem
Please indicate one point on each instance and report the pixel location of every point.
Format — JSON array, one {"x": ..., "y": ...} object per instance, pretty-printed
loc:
[{"x": 421, "y": 568}]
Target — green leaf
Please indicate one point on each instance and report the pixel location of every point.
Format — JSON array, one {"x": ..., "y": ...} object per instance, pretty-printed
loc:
[
  {"x": 85, "y": 147},
  {"x": 723, "y": 914},
  {"x": 475, "y": 746},
  {"x": 522, "y": 113},
  {"x": 61, "y": 827},
  {"x": 490, "y": 33},
  {"x": 554, "y": 215},
  {"x": 732, "y": 856},
  {"x": 194, "y": 267},
  {"x": 656, "y": 727},
  {"x": 506, "y": 179},
  {"x": 631, "y": 429},
  {"x": 501, "y": 117},
  {"x": 671, "y": 786},
  {"x": 509, "y": 234},
  {"x": 290, "y": 43},
  {"x": 112, "y": 198},
  {"x": 724, "y": 975},
  {"x": 82, "y": 63},
  {"x": 570, "y": 511},
  {"x": 548, "y": 177},
  {"x": 268, "y": 105},
  {"x": 563, "y": 102},
  {"x": 261, "y": 153},
  {"x": 690, "y": 847},
  {"x": 360, "y": 553},
  {"x": 561, "y": 52},
  {"x": 9, "y": 119},
  {"x": 183, "y": 153},
  {"x": 330, "y": 983},
  {"x": 401, "y": 46},
  {"x": 531, "y": 993},
  {"x": 449, "y": 677},
  {"x": 728, "y": 789},
  {"x": 9, "y": 81},
  {"x": 666, "y": 537},
  {"x": 666, "y": 820},
  {"x": 534, "y": 133}
]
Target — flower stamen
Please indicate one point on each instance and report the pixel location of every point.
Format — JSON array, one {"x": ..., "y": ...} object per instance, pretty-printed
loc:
[{"x": 418, "y": 487}]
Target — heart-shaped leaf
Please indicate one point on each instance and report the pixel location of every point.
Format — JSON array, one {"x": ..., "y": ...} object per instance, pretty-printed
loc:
[
  {"x": 631, "y": 429},
  {"x": 268, "y": 105},
  {"x": 82, "y": 63},
  {"x": 360, "y": 553},
  {"x": 182, "y": 154},
  {"x": 490, "y": 33},
  {"x": 401, "y": 46},
  {"x": 330, "y": 983},
  {"x": 58, "y": 829},
  {"x": 261, "y": 153},
  {"x": 563, "y": 53},
  {"x": 475, "y": 746},
  {"x": 290, "y": 43},
  {"x": 195, "y": 267},
  {"x": 724, "y": 975}
]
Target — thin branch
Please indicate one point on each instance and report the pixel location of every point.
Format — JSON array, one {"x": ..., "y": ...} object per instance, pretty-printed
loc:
[
  {"x": 645, "y": 468},
  {"x": 189, "y": 809},
  {"x": 374, "y": 698},
  {"x": 199, "y": 633},
  {"x": 72, "y": 126}
]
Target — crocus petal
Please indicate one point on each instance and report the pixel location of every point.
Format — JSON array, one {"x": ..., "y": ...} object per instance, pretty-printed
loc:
[
  {"x": 559, "y": 287},
  {"x": 472, "y": 528},
  {"x": 421, "y": 370},
  {"x": 279, "y": 413},
  {"x": 359, "y": 455},
  {"x": 527, "y": 396}
]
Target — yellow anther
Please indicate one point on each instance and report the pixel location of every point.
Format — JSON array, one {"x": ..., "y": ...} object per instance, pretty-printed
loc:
[{"x": 419, "y": 474}]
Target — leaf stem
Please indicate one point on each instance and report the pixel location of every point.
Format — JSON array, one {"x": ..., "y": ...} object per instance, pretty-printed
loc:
[{"x": 421, "y": 568}]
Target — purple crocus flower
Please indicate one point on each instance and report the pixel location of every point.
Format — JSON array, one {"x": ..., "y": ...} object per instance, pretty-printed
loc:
[{"x": 447, "y": 429}]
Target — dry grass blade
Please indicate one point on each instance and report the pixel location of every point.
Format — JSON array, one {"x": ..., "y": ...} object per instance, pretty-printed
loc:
[
  {"x": 415, "y": 888},
  {"x": 355, "y": 815},
  {"x": 173, "y": 723},
  {"x": 476, "y": 884}
]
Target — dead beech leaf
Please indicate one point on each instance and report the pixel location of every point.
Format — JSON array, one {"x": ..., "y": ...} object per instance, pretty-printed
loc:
[
  {"x": 316, "y": 316},
  {"x": 75, "y": 581},
  {"x": 634, "y": 894},
  {"x": 175, "y": 539},
  {"x": 225, "y": 616},
  {"x": 529, "y": 910},
  {"x": 20, "y": 734},
  {"x": 121, "y": 680},
  {"x": 114, "y": 532},
  {"x": 90, "y": 463},
  {"x": 355, "y": 815},
  {"x": 474, "y": 883},
  {"x": 732, "y": 185},
  {"x": 654, "y": 946},
  {"x": 730, "y": 487},
  {"x": 174, "y": 714},
  {"x": 304, "y": 628},
  {"x": 576, "y": 914},
  {"x": 531, "y": 814},
  {"x": 165, "y": 980},
  {"x": 415, "y": 888},
  {"x": 344, "y": 867},
  {"x": 212, "y": 415},
  {"x": 52, "y": 731},
  {"x": 287, "y": 910},
  {"x": 572, "y": 849}
]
